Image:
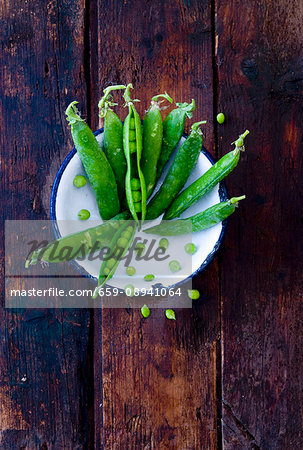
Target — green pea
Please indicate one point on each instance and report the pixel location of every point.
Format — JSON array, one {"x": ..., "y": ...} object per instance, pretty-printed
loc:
[
  {"x": 135, "y": 184},
  {"x": 170, "y": 314},
  {"x": 163, "y": 243},
  {"x": 132, "y": 135},
  {"x": 190, "y": 248},
  {"x": 145, "y": 311},
  {"x": 129, "y": 228},
  {"x": 130, "y": 271},
  {"x": 149, "y": 277},
  {"x": 132, "y": 147},
  {"x": 129, "y": 290},
  {"x": 110, "y": 263},
  {"x": 132, "y": 124},
  {"x": 122, "y": 242},
  {"x": 220, "y": 118},
  {"x": 174, "y": 266},
  {"x": 137, "y": 196},
  {"x": 194, "y": 294},
  {"x": 79, "y": 181},
  {"x": 138, "y": 207},
  {"x": 83, "y": 214}
]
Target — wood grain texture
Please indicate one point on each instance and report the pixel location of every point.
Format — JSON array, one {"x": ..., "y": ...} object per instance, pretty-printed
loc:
[
  {"x": 44, "y": 393},
  {"x": 159, "y": 378},
  {"x": 260, "y": 74}
]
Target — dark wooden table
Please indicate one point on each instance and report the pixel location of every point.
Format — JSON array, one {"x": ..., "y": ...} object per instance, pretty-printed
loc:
[{"x": 227, "y": 373}]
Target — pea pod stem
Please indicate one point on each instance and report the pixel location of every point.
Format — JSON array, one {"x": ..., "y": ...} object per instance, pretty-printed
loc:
[
  {"x": 201, "y": 221},
  {"x": 243, "y": 135},
  {"x": 196, "y": 125},
  {"x": 114, "y": 245},
  {"x": 127, "y": 96},
  {"x": 72, "y": 113},
  {"x": 105, "y": 103},
  {"x": 236, "y": 200}
]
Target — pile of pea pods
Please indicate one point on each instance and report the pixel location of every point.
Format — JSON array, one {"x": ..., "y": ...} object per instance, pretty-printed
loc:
[{"x": 124, "y": 173}]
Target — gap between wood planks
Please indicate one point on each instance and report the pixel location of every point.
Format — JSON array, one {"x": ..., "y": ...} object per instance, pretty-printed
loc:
[{"x": 91, "y": 79}]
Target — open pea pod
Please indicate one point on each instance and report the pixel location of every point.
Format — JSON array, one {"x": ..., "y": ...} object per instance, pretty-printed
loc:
[
  {"x": 77, "y": 245},
  {"x": 118, "y": 247},
  {"x": 201, "y": 221},
  {"x": 135, "y": 188}
]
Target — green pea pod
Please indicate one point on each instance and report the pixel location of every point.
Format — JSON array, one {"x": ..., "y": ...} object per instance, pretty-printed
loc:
[
  {"x": 206, "y": 182},
  {"x": 118, "y": 247},
  {"x": 184, "y": 162},
  {"x": 202, "y": 221},
  {"x": 132, "y": 142},
  {"x": 152, "y": 142},
  {"x": 113, "y": 140},
  {"x": 77, "y": 245},
  {"x": 173, "y": 128},
  {"x": 96, "y": 165}
]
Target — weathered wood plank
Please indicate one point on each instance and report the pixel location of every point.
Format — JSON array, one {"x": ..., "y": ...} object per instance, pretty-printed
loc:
[
  {"x": 260, "y": 88},
  {"x": 44, "y": 390},
  {"x": 155, "y": 379}
]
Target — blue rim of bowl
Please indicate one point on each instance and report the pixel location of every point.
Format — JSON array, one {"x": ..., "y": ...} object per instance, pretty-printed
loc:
[{"x": 83, "y": 272}]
